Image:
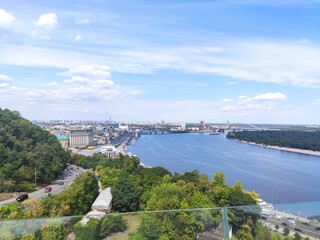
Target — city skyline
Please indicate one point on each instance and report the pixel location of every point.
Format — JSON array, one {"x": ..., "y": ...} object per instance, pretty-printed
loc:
[{"x": 243, "y": 61}]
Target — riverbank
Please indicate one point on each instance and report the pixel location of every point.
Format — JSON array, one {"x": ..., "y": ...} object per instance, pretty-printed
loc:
[{"x": 295, "y": 150}]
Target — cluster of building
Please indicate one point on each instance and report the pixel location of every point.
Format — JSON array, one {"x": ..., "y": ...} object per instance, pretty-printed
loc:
[{"x": 107, "y": 135}]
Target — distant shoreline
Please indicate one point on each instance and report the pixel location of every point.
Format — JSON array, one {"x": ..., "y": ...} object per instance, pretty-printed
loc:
[{"x": 295, "y": 150}]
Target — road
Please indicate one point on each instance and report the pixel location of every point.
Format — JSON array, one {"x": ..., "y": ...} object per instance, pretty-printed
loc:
[
  {"x": 69, "y": 177},
  {"x": 301, "y": 224}
]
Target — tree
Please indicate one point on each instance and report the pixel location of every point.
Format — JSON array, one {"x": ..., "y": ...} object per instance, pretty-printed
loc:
[
  {"x": 165, "y": 196},
  {"x": 264, "y": 234},
  {"x": 32, "y": 208},
  {"x": 286, "y": 231},
  {"x": 297, "y": 236},
  {"x": 276, "y": 227},
  {"x": 88, "y": 230},
  {"x": 22, "y": 147},
  {"x": 112, "y": 224},
  {"x": 276, "y": 237},
  {"x": 125, "y": 196},
  {"x": 54, "y": 229},
  {"x": 244, "y": 233}
]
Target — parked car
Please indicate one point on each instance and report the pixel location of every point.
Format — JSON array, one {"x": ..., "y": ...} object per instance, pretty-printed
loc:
[
  {"x": 48, "y": 189},
  {"x": 23, "y": 197},
  {"x": 60, "y": 183},
  {"x": 298, "y": 229},
  {"x": 291, "y": 221}
]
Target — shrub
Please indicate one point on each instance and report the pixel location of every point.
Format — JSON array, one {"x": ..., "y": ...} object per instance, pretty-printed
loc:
[
  {"x": 112, "y": 224},
  {"x": 87, "y": 231}
]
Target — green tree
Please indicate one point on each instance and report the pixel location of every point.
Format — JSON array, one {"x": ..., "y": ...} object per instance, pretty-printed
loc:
[
  {"x": 297, "y": 236},
  {"x": 244, "y": 233},
  {"x": 276, "y": 237},
  {"x": 112, "y": 224},
  {"x": 88, "y": 230},
  {"x": 125, "y": 196},
  {"x": 165, "y": 196},
  {"x": 286, "y": 231},
  {"x": 54, "y": 229},
  {"x": 264, "y": 234}
]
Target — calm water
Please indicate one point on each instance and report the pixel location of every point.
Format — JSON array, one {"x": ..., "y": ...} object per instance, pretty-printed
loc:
[{"x": 278, "y": 176}]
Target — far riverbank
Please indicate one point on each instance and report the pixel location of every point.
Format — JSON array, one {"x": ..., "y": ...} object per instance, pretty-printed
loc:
[{"x": 295, "y": 150}]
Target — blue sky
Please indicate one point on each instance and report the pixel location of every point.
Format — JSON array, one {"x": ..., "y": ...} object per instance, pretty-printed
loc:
[{"x": 243, "y": 61}]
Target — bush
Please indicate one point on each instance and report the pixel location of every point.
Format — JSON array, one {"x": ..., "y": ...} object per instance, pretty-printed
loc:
[
  {"x": 87, "y": 231},
  {"x": 29, "y": 236},
  {"x": 54, "y": 229},
  {"x": 112, "y": 224}
]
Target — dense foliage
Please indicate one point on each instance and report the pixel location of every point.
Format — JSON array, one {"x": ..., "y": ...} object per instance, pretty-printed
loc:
[
  {"x": 75, "y": 200},
  {"x": 24, "y": 149},
  {"x": 290, "y": 139},
  {"x": 112, "y": 224},
  {"x": 136, "y": 188}
]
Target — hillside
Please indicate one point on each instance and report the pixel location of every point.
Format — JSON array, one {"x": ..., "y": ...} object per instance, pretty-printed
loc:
[
  {"x": 290, "y": 139},
  {"x": 24, "y": 148}
]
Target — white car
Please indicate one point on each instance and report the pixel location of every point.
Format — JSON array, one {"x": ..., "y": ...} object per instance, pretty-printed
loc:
[
  {"x": 292, "y": 221},
  {"x": 278, "y": 216}
]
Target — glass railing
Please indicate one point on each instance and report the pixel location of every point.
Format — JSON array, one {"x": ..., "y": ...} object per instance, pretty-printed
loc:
[{"x": 240, "y": 222}]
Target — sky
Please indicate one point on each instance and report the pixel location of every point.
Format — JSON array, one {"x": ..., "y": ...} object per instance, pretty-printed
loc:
[{"x": 248, "y": 61}]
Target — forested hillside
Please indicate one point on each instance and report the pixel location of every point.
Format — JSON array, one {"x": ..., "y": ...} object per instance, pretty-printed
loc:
[
  {"x": 136, "y": 188},
  {"x": 24, "y": 148},
  {"x": 290, "y": 139}
]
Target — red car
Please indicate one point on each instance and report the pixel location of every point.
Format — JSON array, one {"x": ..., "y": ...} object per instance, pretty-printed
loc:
[{"x": 48, "y": 189}]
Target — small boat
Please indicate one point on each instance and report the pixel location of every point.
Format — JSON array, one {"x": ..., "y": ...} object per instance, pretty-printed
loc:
[{"x": 214, "y": 133}]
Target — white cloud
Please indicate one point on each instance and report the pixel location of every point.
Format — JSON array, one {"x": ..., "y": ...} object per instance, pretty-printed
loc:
[
  {"x": 316, "y": 102},
  {"x": 284, "y": 62},
  {"x": 27, "y": 55},
  {"x": 78, "y": 38},
  {"x": 6, "y": 19},
  {"x": 86, "y": 84},
  {"x": 4, "y": 78},
  {"x": 88, "y": 70},
  {"x": 47, "y": 21},
  {"x": 52, "y": 84},
  {"x": 271, "y": 96},
  {"x": 83, "y": 21},
  {"x": 243, "y": 104},
  {"x": 288, "y": 62},
  {"x": 226, "y": 100}
]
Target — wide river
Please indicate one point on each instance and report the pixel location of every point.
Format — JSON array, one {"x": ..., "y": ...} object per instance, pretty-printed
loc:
[{"x": 278, "y": 176}]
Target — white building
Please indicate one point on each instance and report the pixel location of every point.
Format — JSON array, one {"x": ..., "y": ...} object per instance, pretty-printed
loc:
[
  {"x": 109, "y": 150},
  {"x": 80, "y": 138},
  {"x": 103, "y": 201}
]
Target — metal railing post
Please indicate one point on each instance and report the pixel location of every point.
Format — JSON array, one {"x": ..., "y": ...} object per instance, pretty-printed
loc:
[{"x": 225, "y": 223}]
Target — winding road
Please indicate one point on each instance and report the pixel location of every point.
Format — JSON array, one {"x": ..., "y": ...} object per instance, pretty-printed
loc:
[{"x": 56, "y": 188}]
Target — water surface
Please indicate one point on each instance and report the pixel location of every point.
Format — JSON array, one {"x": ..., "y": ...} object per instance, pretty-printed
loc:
[{"x": 278, "y": 176}]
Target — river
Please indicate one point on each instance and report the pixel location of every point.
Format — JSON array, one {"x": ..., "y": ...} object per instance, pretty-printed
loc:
[{"x": 278, "y": 176}]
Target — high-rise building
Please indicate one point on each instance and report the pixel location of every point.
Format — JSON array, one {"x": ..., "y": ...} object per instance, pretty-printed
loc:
[
  {"x": 202, "y": 126},
  {"x": 80, "y": 138}
]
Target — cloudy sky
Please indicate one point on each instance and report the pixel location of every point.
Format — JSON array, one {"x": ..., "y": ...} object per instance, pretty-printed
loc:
[{"x": 251, "y": 61}]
